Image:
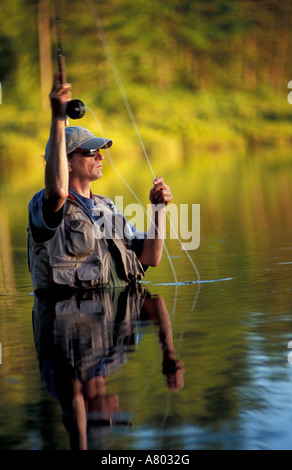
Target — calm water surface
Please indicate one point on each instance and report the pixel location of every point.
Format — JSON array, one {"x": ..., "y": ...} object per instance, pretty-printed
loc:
[{"x": 231, "y": 330}]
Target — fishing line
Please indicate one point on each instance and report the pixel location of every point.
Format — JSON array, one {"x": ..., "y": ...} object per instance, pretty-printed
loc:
[
  {"x": 78, "y": 107},
  {"x": 100, "y": 31},
  {"x": 103, "y": 39},
  {"x": 101, "y": 34},
  {"x": 108, "y": 53}
]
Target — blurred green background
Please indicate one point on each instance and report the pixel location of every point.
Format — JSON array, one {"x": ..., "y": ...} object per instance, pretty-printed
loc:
[{"x": 200, "y": 76}]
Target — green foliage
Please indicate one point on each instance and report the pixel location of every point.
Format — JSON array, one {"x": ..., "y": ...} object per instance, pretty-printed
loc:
[
  {"x": 208, "y": 74},
  {"x": 19, "y": 51}
]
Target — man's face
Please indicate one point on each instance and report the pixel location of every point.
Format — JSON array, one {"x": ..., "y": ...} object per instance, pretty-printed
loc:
[{"x": 84, "y": 167}]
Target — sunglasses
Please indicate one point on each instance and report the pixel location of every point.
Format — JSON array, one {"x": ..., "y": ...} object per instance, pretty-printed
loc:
[{"x": 87, "y": 153}]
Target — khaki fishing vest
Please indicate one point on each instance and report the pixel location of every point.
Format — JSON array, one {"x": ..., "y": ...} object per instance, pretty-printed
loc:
[{"x": 78, "y": 254}]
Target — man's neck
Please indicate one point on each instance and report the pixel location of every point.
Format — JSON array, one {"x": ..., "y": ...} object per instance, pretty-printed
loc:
[{"x": 83, "y": 190}]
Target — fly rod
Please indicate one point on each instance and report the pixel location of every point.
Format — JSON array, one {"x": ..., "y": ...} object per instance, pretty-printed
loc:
[{"x": 75, "y": 108}]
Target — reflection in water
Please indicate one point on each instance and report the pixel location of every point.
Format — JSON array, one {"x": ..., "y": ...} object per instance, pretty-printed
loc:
[
  {"x": 234, "y": 342},
  {"x": 82, "y": 339}
]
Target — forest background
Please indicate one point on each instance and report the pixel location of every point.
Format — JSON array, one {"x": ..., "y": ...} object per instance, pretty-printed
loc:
[{"x": 200, "y": 75}]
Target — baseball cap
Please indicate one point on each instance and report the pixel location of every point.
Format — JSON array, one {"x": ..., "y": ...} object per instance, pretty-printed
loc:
[{"x": 79, "y": 137}]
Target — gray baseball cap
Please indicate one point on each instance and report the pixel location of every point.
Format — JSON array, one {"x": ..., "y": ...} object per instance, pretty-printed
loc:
[{"x": 79, "y": 137}]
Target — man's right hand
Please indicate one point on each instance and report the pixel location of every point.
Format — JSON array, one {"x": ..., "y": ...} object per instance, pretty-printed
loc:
[{"x": 59, "y": 96}]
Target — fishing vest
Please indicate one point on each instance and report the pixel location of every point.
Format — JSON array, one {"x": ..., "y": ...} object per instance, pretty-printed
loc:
[{"x": 81, "y": 251}]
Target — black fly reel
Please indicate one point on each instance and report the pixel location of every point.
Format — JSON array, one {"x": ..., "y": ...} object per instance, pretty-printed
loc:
[{"x": 75, "y": 109}]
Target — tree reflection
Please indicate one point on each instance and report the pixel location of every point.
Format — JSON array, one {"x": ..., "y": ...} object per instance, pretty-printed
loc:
[{"x": 81, "y": 339}]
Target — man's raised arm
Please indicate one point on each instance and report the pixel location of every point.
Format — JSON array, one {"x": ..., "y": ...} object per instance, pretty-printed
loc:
[{"x": 56, "y": 172}]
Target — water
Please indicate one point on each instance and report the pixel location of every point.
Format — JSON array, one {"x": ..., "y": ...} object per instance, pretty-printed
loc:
[{"x": 230, "y": 331}]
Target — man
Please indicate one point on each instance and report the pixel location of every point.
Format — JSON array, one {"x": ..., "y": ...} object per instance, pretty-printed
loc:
[{"x": 77, "y": 239}]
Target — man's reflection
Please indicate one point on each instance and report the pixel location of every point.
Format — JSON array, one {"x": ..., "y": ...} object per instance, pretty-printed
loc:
[{"x": 83, "y": 338}]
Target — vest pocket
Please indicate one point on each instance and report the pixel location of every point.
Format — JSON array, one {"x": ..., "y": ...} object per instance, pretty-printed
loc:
[
  {"x": 63, "y": 272},
  {"x": 80, "y": 240},
  {"x": 72, "y": 273},
  {"x": 89, "y": 272}
]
